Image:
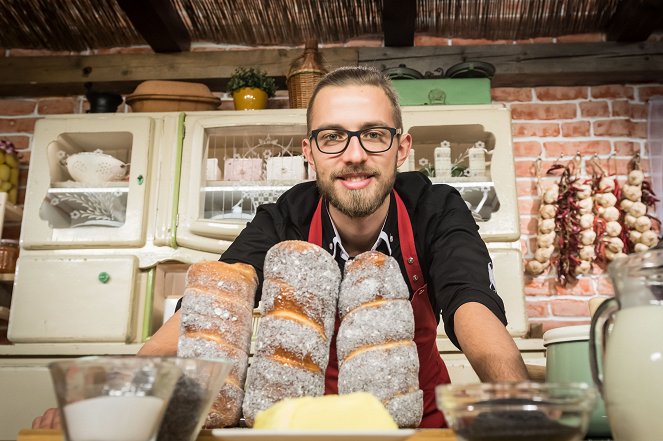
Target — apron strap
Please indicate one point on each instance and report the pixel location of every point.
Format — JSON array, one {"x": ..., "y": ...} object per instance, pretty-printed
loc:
[{"x": 409, "y": 251}]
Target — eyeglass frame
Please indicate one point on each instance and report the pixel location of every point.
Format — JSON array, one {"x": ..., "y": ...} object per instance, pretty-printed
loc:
[{"x": 352, "y": 133}]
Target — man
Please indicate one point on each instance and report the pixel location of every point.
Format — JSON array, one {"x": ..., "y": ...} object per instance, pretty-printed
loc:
[{"x": 358, "y": 203}]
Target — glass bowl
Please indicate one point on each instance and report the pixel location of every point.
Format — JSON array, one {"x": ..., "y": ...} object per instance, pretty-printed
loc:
[
  {"x": 113, "y": 398},
  {"x": 524, "y": 411},
  {"x": 192, "y": 398}
]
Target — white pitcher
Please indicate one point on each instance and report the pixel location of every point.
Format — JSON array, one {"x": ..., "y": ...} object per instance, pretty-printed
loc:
[{"x": 627, "y": 348}]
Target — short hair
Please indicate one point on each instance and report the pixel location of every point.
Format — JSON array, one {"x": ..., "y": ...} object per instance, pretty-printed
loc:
[{"x": 357, "y": 76}]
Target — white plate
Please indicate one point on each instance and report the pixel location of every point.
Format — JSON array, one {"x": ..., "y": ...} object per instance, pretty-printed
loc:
[
  {"x": 99, "y": 223},
  {"x": 316, "y": 435}
]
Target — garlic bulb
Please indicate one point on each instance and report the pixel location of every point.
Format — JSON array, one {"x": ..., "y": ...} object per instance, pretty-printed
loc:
[
  {"x": 630, "y": 221},
  {"x": 636, "y": 177},
  {"x": 637, "y": 209},
  {"x": 545, "y": 240},
  {"x": 534, "y": 267},
  {"x": 587, "y": 237},
  {"x": 585, "y": 205},
  {"x": 584, "y": 267},
  {"x": 642, "y": 224},
  {"x": 546, "y": 225},
  {"x": 632, "y": 192},
  {"x": 551, "y": 194},
  {"x": 613, "y": 256},
  {"x": 544, "y": 254},
  {"x": 606, "y": 184},
  {"x": 547, "y": 211},
  {"x": 586, "y": 221},
  {"x": 626, "y": 204},
  {"x": 584, "y": 191},
  {"x": 615, "y": 244},
  {"x": 611, "y": 214},
  {"x": 640, "y": 248},
  {"x": 607, "y": 200},
  {"x": 613, "y": 228},
  {"x": 649, "y": 238},
  {"x": 634, "y": 236},
  {"x": 587, "y": 253}
]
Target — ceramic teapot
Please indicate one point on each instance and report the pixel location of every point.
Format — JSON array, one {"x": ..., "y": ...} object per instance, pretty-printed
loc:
[
  {"x": 94, "y": 167},
  {"x": 626, "y": 353}
]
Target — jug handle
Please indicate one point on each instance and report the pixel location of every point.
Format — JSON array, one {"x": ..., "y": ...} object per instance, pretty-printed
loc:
[{"x": 598, "y": 334}]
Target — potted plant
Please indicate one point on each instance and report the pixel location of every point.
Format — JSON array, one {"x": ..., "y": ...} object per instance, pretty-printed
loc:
[{"x": 250, "y": 88}]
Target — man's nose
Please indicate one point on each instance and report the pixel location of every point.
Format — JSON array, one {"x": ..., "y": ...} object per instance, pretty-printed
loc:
[{"x": 355, "y": 153}]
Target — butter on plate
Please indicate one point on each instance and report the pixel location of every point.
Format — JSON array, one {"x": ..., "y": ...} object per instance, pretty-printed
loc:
[{"x": 359, "y": 410}]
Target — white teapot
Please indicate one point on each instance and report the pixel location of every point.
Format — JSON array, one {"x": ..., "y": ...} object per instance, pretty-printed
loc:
[{"x": 94, "y": 167}]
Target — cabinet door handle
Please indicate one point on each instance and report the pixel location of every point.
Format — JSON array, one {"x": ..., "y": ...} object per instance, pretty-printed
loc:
[{"x": 103, "y": 277}]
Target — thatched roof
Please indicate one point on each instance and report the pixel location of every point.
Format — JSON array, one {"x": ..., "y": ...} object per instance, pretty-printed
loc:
[{"x": 79, "y": 25}]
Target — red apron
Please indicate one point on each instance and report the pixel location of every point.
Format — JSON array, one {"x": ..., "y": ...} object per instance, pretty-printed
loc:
[{"x": 432, "y": 370}]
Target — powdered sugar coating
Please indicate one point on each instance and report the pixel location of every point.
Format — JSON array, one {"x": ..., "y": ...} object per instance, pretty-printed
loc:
[
  {"x": 201, "y": 348},
  {"x": 389, "y": 321},
  {"x": 368, "y": 277},
  {"x": 206, "y": 313},
  {"x": 302, "y": 341},
  {"x": 407, "y": 409},
  {"x": 226, "y": 409},
  {"x": 270, "y": 381},
  {"x": 383, "y": 371}
]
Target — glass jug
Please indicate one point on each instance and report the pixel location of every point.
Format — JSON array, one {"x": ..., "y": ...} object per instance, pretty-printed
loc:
[{"x": 626, "y": 353}]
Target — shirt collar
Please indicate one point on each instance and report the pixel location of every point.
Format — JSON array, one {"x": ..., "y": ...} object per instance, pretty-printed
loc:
[{"x": 382, "y": 244}]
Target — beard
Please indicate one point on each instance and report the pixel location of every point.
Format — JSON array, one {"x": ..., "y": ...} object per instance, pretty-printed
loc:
[{"x": 357, "y": 203}]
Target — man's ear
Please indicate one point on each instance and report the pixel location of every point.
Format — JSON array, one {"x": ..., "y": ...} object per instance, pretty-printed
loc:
[
  {"x": 308, "y": 152},
  {"x": 403, "y": 149}
]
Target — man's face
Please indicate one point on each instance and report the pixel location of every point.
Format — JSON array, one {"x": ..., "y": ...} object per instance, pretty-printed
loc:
[{"x": 355, "y": 182}]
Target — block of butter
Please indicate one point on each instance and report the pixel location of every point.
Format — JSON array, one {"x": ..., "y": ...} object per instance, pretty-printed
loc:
[{"x": 359, "y": 410}]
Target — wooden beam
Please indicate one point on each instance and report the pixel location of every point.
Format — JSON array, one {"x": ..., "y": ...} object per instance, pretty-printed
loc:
[
  {"x": 635, "y": 20},
  {"x": 398, "y": 20},
  {"x": 159, "y": 23},
  {"x": 516, "y": 66}
]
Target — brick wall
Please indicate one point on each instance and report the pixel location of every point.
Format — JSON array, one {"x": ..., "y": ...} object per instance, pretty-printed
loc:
[{"x": 548, "y": 122}]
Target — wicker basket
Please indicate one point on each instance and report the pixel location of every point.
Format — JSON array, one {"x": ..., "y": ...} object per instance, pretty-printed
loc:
[{"x": 304, "y": 74}]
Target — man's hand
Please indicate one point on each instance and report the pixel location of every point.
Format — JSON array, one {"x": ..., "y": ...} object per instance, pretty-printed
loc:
[
  {"x": 487, "y": 345},
  {"x": 164, "y": 342},
  {"x": 49, "y": 420}
]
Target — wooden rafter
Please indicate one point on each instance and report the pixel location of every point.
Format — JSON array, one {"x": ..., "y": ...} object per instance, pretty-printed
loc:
[
  {"x": 159, "y": 23},
  {"x": 398, "y": 22},
  {"x": 516, "y": 66}
]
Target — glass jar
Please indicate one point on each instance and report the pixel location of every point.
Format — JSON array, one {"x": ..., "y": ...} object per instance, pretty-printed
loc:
[
  {"x": 8, "y": 256},
  {"x": 9, "y": 170}
]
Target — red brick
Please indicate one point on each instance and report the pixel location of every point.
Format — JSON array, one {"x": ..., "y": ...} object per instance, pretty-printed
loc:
[
  {"x": 547, "y": 325},
  {"x": 543, "y": 111},
  {"x": 11, "y": 232},
  {"x": 639, "y": 111},
  {"x": 17, "y": 107},
  {"x": 20, "y": 142},
  {"x": 646, "y": 92},
  {"x": 523, "y": 246},
  {"x": 528, "y": 206},
  {"x": 583, "y": 287},
  {"x": 626, "y": 148},
  {"x": 477, "y": 41},
  {"x": 24, "y": 158},
  {"x": 594, "y": 108},
  {"x": 621, "y": 108},
  {"x": 430, "y": 40},
  {"x": 526, "y": 188},
  {"x": 527, "y": 148},
  {"x": 570, "y": 308},
  {"x": 17, "y": 125},
  {"x": 528, "y": 224},
  {"x": 560, "y": 93},
  {"x": 595, "y": 37},
  {"x": 612, "y": 91},
  {"x": 613, "y": 127},
  {"x": 535, "y": 129},
  {"x": 580, "y": 128},
  {"x": 538, "y": 309},
  {"x": 538, "y": 286},
  {"x": 555, "y": 149},
  {"x": 367, "y": 42},
  {"x": 527, "y": 168},
  {"x": 622, "y": 167},
  {"x": 509, "y": 94},
  {"x": 639, "y": 130},
  {"x": 51, "y": 106}
]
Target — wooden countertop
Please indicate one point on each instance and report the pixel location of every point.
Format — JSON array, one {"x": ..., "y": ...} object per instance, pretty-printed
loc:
[{"x": 206, "y": 435}]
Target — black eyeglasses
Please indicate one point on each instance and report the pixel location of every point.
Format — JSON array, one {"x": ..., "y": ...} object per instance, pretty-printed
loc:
[{"x": 373, "y": 139}]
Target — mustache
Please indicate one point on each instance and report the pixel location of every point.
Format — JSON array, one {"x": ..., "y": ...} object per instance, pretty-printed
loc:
[{"x": 355, "y": 169}]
